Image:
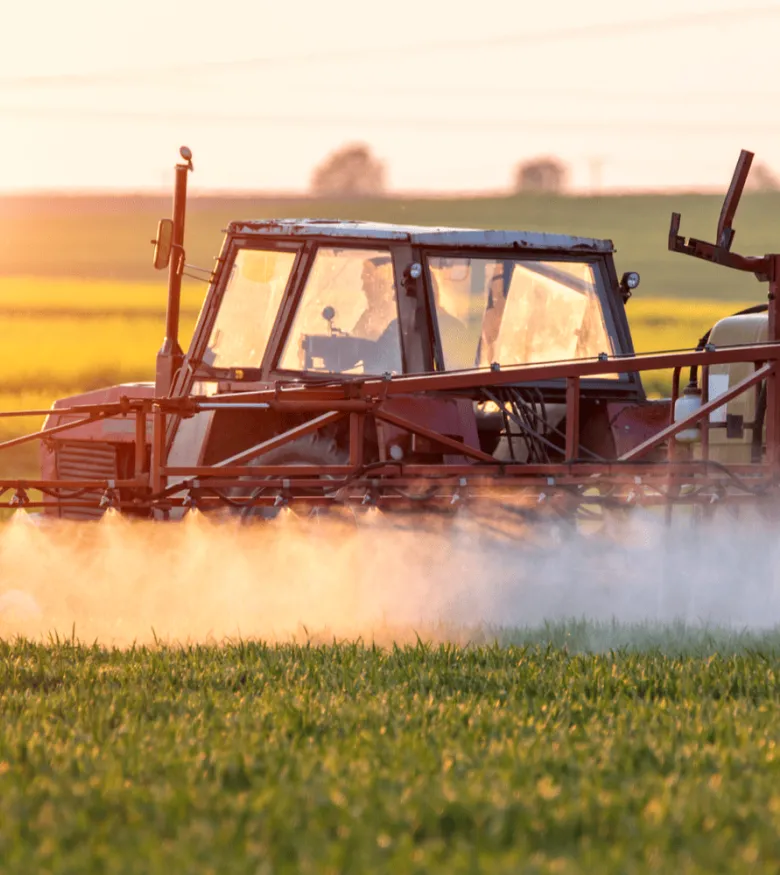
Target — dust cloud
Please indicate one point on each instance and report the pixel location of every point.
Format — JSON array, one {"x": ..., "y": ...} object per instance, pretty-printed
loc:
[{"x": 376, "y": 577}]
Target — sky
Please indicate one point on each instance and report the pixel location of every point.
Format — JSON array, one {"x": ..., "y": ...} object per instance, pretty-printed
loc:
[{"x": 98, "y": 95}]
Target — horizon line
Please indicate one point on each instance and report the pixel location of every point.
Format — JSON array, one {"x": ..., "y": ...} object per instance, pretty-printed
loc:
[{"x": 411, "y": 194}]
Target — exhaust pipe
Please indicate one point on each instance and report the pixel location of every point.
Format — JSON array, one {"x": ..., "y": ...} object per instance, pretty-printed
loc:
[{"x": 169, "y": 251}]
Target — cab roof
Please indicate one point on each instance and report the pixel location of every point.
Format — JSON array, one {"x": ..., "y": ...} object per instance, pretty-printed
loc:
[{"x": 418, "y": 234}]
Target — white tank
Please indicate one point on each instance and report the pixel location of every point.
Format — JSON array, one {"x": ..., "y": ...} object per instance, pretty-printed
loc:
[{"x": 684, "y": 406}]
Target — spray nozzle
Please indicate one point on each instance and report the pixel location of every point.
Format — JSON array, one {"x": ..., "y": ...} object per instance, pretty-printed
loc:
[
  {"x": 20, "y": 498},
  {"x": 456, "y": 496},
  {"x": 108, "y": 499}
]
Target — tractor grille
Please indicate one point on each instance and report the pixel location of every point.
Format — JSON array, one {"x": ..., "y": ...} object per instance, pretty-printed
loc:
[{"x": 86, "y": 460}]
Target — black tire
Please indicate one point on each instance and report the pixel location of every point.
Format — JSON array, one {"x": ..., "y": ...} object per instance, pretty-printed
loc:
[{"x": 310, "y": 450}]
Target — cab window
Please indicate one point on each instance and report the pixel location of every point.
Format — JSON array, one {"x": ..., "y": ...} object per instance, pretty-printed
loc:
[
  {"x": 517, "y": 312},
  {"x": 248, "y": 309},
  {"x": 347, "y": 319}
]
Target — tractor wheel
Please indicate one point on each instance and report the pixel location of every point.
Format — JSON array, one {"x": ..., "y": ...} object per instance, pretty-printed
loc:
[{"x": 312, "y": 450}]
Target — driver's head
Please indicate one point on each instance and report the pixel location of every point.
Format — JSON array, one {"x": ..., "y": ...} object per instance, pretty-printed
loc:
[{"x": 377, "y": 279}]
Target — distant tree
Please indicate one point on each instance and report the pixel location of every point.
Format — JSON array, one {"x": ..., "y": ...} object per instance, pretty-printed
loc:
[
  {"x": 351, "y": 171},
  {"x": 761, "y": 178},
  {"x": 549, "y": 175}
]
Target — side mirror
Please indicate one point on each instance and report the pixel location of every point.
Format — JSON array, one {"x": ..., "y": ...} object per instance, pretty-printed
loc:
[{"x": 163, "y": 244}]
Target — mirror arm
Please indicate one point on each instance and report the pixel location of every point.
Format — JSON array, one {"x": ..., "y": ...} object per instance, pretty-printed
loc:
[{"x": 181, "y": 257}]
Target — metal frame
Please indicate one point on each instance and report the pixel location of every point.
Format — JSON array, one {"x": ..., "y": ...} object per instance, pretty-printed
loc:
[
  {"x": 369, "y": 399},
  {"x": 563, "y": 486}
]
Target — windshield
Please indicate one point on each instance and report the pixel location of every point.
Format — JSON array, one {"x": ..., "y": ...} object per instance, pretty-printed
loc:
[
  {"x": 347, "y": 319},
  {"x": 516, "y": 312},
  {"x": 246, "y": 315}
]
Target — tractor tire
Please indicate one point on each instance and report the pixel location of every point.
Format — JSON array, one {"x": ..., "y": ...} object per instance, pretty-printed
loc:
[{"x": 313, "y": 450}]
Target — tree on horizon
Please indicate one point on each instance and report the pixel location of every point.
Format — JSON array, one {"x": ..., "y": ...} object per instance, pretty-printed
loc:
[
  {"x": 547, "y": 174},
  {"x": 352, "y": 171}
]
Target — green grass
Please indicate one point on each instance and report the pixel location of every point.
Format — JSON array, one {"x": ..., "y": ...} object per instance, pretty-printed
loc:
[{"x": 345, "y": 758}]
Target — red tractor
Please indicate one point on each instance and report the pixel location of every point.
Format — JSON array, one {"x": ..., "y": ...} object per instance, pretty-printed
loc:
[{"x": 354, "y": 364}]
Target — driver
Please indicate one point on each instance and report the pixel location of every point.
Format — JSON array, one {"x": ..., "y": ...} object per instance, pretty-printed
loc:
[
  {"x": 455, "y": 341},
  {"x": 378, "y": 287}
]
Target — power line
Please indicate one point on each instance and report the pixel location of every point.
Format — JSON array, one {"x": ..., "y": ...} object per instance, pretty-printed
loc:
[
  {"x": 481, "y": 92},
  {"x": 627, "y": 125},
  {"x": 607, "y": 30}
]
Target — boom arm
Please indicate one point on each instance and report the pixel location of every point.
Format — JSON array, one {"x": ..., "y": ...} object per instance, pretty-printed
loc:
[{"x": 720, "y": 252}]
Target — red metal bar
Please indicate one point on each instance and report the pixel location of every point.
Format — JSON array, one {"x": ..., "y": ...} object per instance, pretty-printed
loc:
[
  {"x": 140, "y": 443},
  {"x": 672, "y": 450},
  {"x": 475, "y": 379},
  {"x": 773, "y": 383},
  {"x": 391, "y": 502},
  {"x": 110, "y": 408},
  {"x": 356, "y": 437},
  {"x": 157, "y": 461},
  {"x": 66, "y": 484},
  {"x": 37, "y": 435},
  {"x": 675, "y": 392},
  {"x": 170, "y": 355},
  {"x": 704, "y": 424},
  {"x": 578, "y": 472},
  {"x": 731, "y": 201},
  {"x": 572, "y": 418},
  {"x": 314, "y": 406},
  {"x": 466, "y": 380},
  {"x": 697, "y": 415}
]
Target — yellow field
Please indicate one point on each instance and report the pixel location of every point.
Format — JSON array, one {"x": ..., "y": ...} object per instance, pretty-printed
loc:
[
  {"x": 91, "y": 297},
  {"x": 665, "y": 323},
  {"x": 65, "y": 336}
]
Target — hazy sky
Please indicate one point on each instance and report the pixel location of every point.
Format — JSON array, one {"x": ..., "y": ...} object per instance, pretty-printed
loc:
[{"x": 97, "y": 94}]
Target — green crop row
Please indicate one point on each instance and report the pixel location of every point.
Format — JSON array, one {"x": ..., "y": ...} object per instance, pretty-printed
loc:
[{"x": 345, "y": 758}]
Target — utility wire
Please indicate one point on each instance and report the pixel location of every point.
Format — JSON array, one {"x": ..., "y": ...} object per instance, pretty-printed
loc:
[
  {"x": 735, "y": 15},
  {"x": 454, "y": 91},
  {"x": 626, "y": 125}
]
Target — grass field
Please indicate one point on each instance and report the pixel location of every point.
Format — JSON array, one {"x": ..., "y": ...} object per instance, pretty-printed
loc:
[
  {"x": 345, "y": 758},
  {"x": 533, "y": 754}
]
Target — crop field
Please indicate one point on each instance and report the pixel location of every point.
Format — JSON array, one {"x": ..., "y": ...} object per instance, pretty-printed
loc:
[
  {"x": 481, "y": 738},
  {"x": 350, "y": 758}
]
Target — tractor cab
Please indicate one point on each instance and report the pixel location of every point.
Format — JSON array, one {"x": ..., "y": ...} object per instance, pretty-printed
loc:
[
  {"x": 319, "y": 302},
  {"x": 315, "y": 299}
]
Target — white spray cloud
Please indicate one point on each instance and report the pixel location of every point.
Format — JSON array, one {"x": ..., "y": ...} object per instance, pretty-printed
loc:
[{"x": 388, "y": 577}]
